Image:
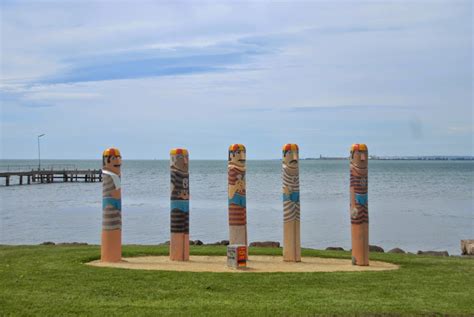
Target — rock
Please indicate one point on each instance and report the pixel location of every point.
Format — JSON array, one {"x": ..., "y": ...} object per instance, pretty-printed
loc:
[
  {"x": 72, "y": 243},
  {"x": 467, "y": 247},
  {"x": 222, "y": 242},
  {"x": 433, "y": 253},
  {"x": 265, "y": 244},
  {"x": 375, "y": 248},
  {"x": 334, "y": 249},
  {"x": 397, "y": 250},
  {"x": 48, "y": 243},
  {"x": 167, "y": 242},
  {"x": 197, "y": 242}
]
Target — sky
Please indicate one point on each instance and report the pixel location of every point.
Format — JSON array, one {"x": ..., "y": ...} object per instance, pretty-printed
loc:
[{"x": 148, "y": 76}]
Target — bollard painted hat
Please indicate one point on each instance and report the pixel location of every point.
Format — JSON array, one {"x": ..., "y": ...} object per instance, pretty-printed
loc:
[
  {"x": 111, "y": 152},
  {"x": 236, "y": 147},
  {"x": 358, "y": 147},
  {"x": 290, "y": 147},
  {"x": 178, "y": 151}
]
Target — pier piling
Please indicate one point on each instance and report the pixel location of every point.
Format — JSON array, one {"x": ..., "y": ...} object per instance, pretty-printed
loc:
[{"x": 50, "y": 176}]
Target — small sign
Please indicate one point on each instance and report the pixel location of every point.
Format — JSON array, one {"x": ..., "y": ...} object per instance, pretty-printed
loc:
[{"x": 237, "y": 256}]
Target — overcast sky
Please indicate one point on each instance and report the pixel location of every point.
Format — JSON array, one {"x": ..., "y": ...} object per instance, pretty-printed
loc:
[{"x": 149, "y": 76}]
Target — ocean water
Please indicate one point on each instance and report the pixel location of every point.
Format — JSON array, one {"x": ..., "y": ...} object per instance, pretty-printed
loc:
[{"x": 415, "y": 205}]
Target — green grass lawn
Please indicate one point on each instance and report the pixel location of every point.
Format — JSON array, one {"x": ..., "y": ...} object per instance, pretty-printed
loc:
[{"x": 53, "y": 281}]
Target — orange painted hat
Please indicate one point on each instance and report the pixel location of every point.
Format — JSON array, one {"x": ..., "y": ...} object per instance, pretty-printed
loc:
[
  {"x": 236, "y": 147},
  {"x": 179, "y": 151},
  {"x": 359, "y": 147},
  {"x": 111, "y": 152},
  {"x": 290, "y": 147}
]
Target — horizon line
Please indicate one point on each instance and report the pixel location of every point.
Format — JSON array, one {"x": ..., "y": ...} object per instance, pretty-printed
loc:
[{"x": 253, "y": 159}]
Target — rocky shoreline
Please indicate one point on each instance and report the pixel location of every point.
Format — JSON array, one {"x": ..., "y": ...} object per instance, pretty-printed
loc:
[{"x": 467, "y": 249}]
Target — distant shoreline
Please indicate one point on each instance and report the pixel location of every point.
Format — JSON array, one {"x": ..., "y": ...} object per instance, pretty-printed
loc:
[
  {"x": 402, "y": 158},
  {"x": 321, "y": 158}
]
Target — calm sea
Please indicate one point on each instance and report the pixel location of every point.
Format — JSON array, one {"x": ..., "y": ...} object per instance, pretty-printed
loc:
[{"x": 415, "y": 205}]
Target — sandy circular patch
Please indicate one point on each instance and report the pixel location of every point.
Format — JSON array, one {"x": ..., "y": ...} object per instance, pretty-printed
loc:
[{"x": 256, "y": 264}]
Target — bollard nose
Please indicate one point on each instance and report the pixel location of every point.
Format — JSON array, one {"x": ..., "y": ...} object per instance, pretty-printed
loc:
[
  {"x": 363, "y": 157},
  {"x": 294, "y": 156},
  {"x": 242, "y": 155}
]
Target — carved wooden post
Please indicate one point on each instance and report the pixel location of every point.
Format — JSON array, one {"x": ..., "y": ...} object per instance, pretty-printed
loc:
[
  {"x": 111, "y": 249},
  {"x": 179, "y": 242},
  {"x": 237, "y": 193},
  {"x": 359, "y": 207},
  {"x": 291, "y": 204}
]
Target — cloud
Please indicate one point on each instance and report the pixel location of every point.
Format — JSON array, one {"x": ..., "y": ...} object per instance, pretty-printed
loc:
[
  {"x": 350, "y": 108},
  {"x": 43, "y": 96},
  {"x": 141, "y": 67},
  {"x": 207, "y": 74},
  {"x": 61, "y": 96},
  {"x": 461, "y": 130}
]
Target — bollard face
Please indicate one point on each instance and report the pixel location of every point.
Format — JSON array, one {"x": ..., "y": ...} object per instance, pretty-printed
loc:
[
  {"x": 237, "y": 256},
  {"x": 237, "y": 194},
  {"x": 291, "y": 203},
  {"x": 359, "y": 204},
  {"x": 111, "y": 248},
  {"x": 112, "y": 160},
  {"x": 179, "y": 168}
]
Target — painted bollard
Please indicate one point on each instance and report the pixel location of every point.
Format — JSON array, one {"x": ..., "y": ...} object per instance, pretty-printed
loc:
[
  {"x": 237, "y": 256},
  {"x": 111, "y": 247},
  {"x": 236, "y": 193},
  {"x": 179, "y": 241},
  {"x": 359, "y": 204},
  {"x": 291, "y": 204}
]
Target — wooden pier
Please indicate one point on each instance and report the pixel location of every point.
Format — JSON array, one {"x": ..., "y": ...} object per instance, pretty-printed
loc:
[{"x": 52, "y": 175}]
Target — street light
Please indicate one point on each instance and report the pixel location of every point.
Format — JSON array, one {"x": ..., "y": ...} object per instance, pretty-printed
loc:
[{"x": 39, "y": 155}]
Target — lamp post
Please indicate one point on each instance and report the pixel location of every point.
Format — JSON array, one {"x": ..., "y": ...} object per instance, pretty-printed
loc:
[{"x": 39, "y": 155}]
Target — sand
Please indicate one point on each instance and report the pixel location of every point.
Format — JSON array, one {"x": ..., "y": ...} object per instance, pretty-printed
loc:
[{"x": 256, "y": 264}]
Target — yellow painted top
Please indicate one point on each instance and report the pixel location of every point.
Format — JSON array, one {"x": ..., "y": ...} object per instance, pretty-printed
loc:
[
  {"x": 179, "y": 151},
  {"x": 290, "y": 147},
  {"x": 358, "y": 147},
  {"x": 111, "y": 152},
  {"x": 235, "y": 147}
]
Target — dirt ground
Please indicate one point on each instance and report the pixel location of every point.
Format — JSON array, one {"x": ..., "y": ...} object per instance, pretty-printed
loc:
[{"x": 256, "y": 264}]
